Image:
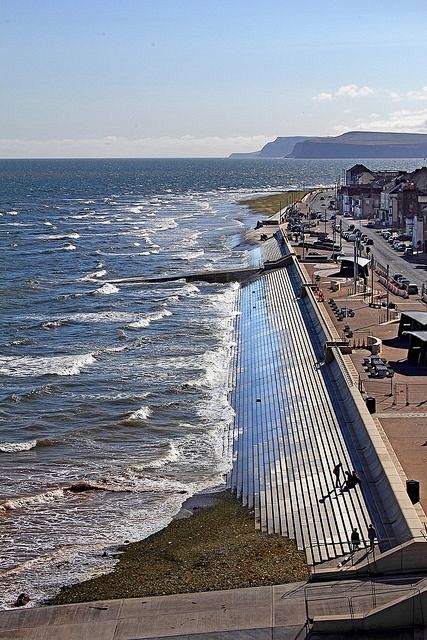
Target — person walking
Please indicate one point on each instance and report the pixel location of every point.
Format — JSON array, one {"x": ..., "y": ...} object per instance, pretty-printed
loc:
[
  {"x": 355, "y": 540},
  {"x": 337, "y": 472},
  {"x": 372, "y": 534},
  {"x": 348, "y": 483},
  {"x": 355, "y": 478}
]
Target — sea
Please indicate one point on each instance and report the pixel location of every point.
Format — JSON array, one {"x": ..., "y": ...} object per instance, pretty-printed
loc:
[{"x": 121, "y": 385}]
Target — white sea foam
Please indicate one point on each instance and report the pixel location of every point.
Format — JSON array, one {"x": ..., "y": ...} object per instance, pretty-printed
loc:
[
  {"x": 21, "y": 502},
  {"x": 53, "y": 324},
  {"x": 94, "y": 275},
  {"x": 53, "y": 365},
  {"x": 190, "y": 255},
  {"x": 140, "y": 414},
  {"x": 102, "y": 316},
  {"x": 189, "y": 290},
  {"x": 149, "y": 241},
  {"x": 65, "y": 236},
  {"x": 165, "y": 224},
  {"x": 204, "y": 205},
  {"x": 145, "y": 321},
  {"x": 47, "y": 223},
  {"x": 106, "y": 289},
  {"x": 13, "y": 447},
  {"x": 171, "y": 455},
  {"x": 69, "y": 247}
]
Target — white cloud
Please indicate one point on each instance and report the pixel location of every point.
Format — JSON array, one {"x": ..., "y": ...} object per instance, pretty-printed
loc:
[
  {"x": 403, "y": 121},
  {"x": 418, "y": 95},
  {"x": 121, "y": 147},
  {"x": 346, "y": 91},
  {"x": 323, "y": 97},
  {"x": 353, "y": 91}
]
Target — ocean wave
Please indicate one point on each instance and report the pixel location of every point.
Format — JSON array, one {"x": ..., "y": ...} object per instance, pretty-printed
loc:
[
  {"x": 21, "y": 502},
  {"x": 18, "y": 342},
  {"x": 94, "y": 275},
  {"x": 143, "y": 413},
  {"x": 165, "y": 224},
  {"x": 106, "y": 290},
  {"x": 33, "y": 393},
  {"x": 53, "y": 324},
  {"x": 65, "y": 236},
  {"x": 172, "y": 454},
  {"x": 69, "y": 247},
  {"x": 189, "y": 290},
  {"x": 191, "y": 255},
  {"x": 149, "y": 241},
  {"x": 53, "y": 365},
  {"x": 102, "y": 316},
  {"x": 13, "y": 447},
  {"x": 148, "y": 319}
]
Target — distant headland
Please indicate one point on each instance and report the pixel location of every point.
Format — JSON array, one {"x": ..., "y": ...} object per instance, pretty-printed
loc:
[{"x": 353, "y": 144}]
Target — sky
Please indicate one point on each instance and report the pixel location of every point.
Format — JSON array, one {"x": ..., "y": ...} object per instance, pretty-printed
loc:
[{"x": 204, "y": 78}]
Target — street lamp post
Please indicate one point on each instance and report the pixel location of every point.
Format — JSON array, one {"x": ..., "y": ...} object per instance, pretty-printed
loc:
[
  {"x": 303, "y": 241},
  {"x": 388, "y": 293}
]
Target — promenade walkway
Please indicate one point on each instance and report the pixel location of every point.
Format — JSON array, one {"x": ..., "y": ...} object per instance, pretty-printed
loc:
[
  {"x": 289, "y": 432},
  {"x": 259, "y": 613}
]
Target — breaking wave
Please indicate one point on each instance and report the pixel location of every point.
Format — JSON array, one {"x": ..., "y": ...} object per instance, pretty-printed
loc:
[
  {"x": 13, "y": 447},
  {"x": 106, "y": 289},
  {"x": 49, "y": 365},
  {"x": 148, "y": 319}
]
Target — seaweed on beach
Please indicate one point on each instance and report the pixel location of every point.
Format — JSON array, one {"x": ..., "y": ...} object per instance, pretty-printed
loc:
[{"x": 216, "y": 548}]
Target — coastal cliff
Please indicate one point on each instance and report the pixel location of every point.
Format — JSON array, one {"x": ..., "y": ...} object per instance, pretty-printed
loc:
[{"x": 353, "y": 144}]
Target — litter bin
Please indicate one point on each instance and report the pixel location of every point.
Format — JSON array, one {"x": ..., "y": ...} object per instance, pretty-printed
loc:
[
  {"x": 413, "y": 490},
  {"x": 371, "y": 404}
]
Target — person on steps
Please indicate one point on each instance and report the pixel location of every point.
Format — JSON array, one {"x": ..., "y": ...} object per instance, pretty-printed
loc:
[
  {"x": 337, "y": 472},
  {"x": 372, "y": 534},
  {"x": 355, "y": 540}
]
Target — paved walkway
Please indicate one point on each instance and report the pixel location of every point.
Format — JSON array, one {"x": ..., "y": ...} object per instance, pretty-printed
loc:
[{"x": 260, "y": 613}]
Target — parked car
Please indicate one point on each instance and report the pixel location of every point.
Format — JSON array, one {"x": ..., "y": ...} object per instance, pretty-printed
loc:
[
  {"x": 412, "y": 289},
  {"x": 397, "y": 276},
  {"x": 409, "y": 251},
  {"x": 369, "y": 241}
]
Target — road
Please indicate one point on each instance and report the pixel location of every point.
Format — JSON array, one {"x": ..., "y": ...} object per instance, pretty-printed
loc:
[
  {"x": 415, "y": 271},
  {"x": 383, "y": 253}
]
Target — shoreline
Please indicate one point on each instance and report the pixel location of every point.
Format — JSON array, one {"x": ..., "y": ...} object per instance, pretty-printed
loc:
[
  {"x": 204, "y": 502},
  {"x": 211, "y": 544}
]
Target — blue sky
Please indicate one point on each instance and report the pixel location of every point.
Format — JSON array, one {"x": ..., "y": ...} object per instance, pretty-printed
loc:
[{"x": 204, "y": 78}]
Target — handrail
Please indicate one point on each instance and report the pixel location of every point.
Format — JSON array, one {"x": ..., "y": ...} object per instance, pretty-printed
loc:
[{"x": 344, "y": 370}]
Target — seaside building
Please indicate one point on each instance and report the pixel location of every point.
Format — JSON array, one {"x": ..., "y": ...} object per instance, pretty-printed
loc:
[{"x": 395, "y": 199}]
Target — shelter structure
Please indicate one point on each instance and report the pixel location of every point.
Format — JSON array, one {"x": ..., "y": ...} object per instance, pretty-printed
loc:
[
  {"x": 417, "y": 351},
  {"x": 411, "y": 321},
  {"x": 347, "y": 267}
]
